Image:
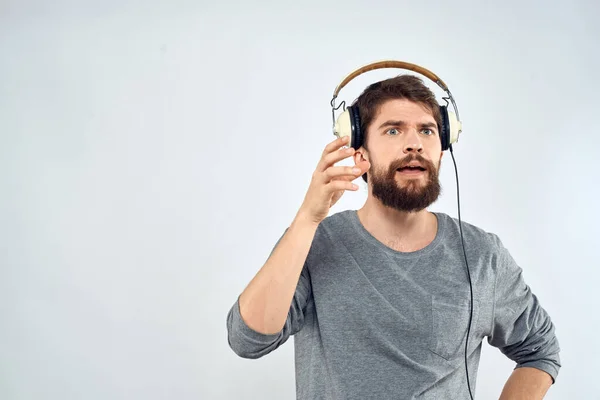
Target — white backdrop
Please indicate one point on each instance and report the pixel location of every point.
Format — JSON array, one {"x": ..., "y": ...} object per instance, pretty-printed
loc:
[{"x": 152, "y": 152}]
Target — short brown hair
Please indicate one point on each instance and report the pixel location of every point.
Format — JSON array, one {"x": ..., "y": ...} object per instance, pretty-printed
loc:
[{"x": 407, "y": 87}]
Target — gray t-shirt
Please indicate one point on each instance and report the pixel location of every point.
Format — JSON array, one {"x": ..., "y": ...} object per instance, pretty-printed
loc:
[{"x": 370, "y": 322}]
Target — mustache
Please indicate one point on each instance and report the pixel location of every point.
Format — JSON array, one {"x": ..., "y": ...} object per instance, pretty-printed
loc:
[{"x": 412, "y": 157}]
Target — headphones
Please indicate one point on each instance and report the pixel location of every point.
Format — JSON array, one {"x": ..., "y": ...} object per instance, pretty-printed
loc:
[{"x": 349, "y": 122}]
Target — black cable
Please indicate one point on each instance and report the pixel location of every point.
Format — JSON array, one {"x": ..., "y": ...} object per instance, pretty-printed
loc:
[{"x": 468, "y": 271}]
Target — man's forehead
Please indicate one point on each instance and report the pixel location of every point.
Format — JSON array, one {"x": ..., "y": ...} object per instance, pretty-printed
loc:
[{"x": 402, "y": 109}]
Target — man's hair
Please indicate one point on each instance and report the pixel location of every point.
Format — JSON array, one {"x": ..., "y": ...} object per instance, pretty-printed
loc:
[{"x": 407, "y": 87}]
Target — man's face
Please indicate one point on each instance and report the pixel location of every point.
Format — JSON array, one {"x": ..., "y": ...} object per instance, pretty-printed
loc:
[{"x": 405, "y": 152}]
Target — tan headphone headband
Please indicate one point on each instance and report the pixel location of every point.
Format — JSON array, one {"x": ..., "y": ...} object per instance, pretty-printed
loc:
[
  {"x": 390, "y": 64},
  {"x": 344, "y": 126}
]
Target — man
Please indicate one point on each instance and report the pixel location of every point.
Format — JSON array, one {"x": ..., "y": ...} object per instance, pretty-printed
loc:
[{"x": 378, "y": 299}]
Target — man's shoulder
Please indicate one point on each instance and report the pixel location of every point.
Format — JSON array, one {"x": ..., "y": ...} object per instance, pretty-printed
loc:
[
  {"x": 474, "y": 234},
  {"x": 338, "y": 218},
  {"x": 333, "y": 226}
]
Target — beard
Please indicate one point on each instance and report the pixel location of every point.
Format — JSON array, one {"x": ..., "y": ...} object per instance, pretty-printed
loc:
[{"x": 414, "y": 195}]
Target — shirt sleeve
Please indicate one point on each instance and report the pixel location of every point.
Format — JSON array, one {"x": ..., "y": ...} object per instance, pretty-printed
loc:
[
  {"x": 248, "y": 343},
  {"x": 522, "y": 329}
]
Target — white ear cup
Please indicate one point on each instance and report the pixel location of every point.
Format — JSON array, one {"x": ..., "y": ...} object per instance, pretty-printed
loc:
[
  {"x": 343, "y": 126},
  {"x": 455, "y": 127}
]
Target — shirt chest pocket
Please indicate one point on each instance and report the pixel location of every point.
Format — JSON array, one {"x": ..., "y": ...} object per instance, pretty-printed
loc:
[{"x": 449, "y": 325}]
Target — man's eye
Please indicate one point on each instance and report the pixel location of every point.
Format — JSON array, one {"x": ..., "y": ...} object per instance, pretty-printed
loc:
[
  {"x": 393, "y": 131},
  {"x": 427, "y": 132}
]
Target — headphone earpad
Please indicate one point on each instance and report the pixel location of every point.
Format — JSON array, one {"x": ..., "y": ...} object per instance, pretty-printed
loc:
[
  {"x": 357, "y": 135},
  {"x": 445, "y": 128}
]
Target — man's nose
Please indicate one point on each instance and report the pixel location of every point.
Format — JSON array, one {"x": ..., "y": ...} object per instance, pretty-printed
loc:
[{"x": 413, "y": 143}]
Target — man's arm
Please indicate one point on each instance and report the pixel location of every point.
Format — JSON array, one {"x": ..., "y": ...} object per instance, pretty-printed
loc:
[
  {"x": 526, "y": 383},
  {"x": 522, "y": 330},
  {"x": 265, "y": 302},
  {"x": 272, "y": 306}
]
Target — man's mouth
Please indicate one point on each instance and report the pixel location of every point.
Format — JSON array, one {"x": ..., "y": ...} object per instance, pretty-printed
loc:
[{"x": 410, "y": 168}]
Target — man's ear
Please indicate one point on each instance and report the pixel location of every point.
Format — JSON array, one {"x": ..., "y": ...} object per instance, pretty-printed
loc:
[{"x": 360, "y": 155}]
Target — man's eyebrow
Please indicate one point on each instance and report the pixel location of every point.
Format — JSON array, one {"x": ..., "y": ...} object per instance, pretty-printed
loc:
[
  {"x": 402, "y": 123},
  {"x": 428, "y": 125},
  {"x": 392, "y": 123}
]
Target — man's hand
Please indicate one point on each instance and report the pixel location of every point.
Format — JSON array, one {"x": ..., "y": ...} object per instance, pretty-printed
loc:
[
  {"x": 526, "y": 384},
  {"x": 329, "y": 182}
]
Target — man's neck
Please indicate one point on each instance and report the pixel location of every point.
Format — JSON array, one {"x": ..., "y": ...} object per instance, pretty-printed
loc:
[{"x": 400, "y": 230}]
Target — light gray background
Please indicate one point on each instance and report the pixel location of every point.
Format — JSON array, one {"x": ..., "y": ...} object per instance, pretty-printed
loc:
[{"x": 152, "y": 152}]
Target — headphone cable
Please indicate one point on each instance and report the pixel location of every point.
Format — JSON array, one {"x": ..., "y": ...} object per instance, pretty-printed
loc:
[{"x": 468, "y": 271}]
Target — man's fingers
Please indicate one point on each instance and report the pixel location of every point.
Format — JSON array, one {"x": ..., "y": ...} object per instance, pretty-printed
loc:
[
  {"x": 330, "y": 159},
  {"x": 336, "y": 144},
  {"x": 341, "y": 173}
]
